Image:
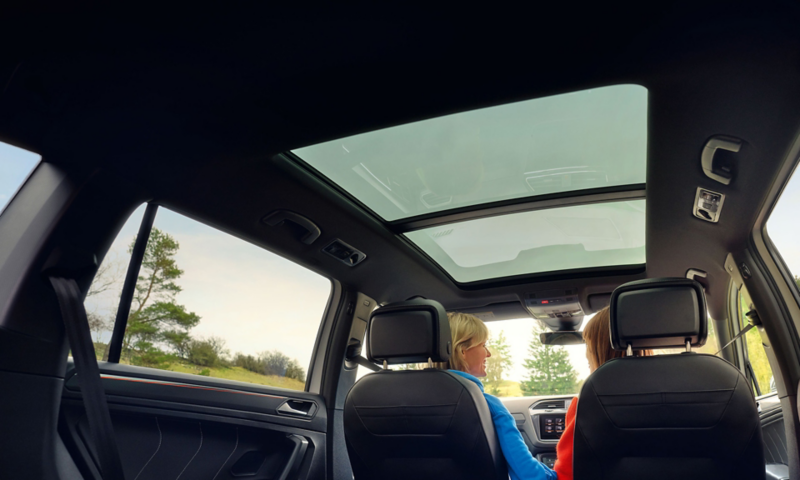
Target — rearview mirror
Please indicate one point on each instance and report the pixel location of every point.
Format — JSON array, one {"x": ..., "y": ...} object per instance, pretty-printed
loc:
[{"x": 561, "y": 338}]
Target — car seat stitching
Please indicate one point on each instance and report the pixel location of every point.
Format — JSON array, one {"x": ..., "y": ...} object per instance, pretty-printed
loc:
[
  {"x": 154, "y": 453},
  {"x": 749, "y": 439},
  {"x": 589, "y": 445},
  {"x": 195, "y": 453},
  {"x": 602, "y": 407},
  {"x": 453, "y": 415},
  {"x": 728, "y": 403},
  {"x": 229, "y": 456}
]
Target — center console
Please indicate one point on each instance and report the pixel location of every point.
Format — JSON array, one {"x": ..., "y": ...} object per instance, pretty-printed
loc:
[{"x": 542, "y": 422}]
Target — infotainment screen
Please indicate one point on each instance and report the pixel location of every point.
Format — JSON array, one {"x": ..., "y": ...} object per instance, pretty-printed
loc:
[{"x": 551, "y": 426}]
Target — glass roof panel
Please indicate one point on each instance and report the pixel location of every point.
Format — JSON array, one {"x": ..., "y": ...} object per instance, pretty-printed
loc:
[
  {"x": 585, "y": 236},
  {"x": 587, "y": 139}
]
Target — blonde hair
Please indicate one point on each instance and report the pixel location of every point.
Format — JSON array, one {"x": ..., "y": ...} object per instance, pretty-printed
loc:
[
  {"x": 466, "y": 331},
  {"x": 597, "y": 335}
]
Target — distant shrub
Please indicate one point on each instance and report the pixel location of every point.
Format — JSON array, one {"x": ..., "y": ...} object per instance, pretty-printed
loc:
[
  {"x": 202, "y": 353},
  {"x": 147, "y": 355},
  {"x": 205, "y": 372},
  {"x": 207, "y": 352},
  {"x": 271, "y": 363},
  {"x": 294, "y": 370},
  {"x": 249, "y": 362},
  {"x": 275, "y": 363}
]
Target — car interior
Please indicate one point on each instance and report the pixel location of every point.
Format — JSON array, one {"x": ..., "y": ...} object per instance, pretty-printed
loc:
[{"x": 530, "y": 166}]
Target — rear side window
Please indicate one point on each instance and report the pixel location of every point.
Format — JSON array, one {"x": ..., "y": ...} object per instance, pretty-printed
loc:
[
  {"x": 783, "y": 228},
  {"x": 15, "y": 166},
  {"x": 210, "y": 304}
]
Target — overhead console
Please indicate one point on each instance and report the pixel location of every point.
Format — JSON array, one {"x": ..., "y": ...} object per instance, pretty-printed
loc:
[{"x": 560, "y": 309}]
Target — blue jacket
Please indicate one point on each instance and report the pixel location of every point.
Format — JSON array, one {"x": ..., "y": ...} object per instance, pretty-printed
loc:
[{"x": 521, "y": 464}]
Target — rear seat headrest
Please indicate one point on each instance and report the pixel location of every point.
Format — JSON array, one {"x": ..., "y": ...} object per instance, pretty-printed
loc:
[
  {"x": 658, "y": 313},
  {"x": 409, "y": 332}
]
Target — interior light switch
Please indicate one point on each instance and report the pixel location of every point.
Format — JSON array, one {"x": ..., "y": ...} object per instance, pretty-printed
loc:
[{"x": 708, "y": 205}]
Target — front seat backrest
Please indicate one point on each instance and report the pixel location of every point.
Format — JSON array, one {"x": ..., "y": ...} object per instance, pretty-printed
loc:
[
  {"x": 418, "y": 424},
  {"x": 680, "y": 416}
]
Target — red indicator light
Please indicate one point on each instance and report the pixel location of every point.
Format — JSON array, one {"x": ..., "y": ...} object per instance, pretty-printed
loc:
[{"x": 545, "y": 302}]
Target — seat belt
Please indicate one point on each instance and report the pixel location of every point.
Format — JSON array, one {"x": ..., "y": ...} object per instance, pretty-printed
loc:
[
  {"x": 753, "y": 319},
  {"x": 365, "y": 363},
  {"x": 94, "y": 397}
]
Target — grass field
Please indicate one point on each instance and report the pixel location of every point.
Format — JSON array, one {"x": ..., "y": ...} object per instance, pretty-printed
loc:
[
  {"x": 240, "y": 374},
  {"x": 228, "y": 373}
]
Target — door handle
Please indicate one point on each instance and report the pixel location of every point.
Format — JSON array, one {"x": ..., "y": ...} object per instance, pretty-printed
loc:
[
  {"x": 297, "y": 407},
  {"x": 285, "y": 408}
]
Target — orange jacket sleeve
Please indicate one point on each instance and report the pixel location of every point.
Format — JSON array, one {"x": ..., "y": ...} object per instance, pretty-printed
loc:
[{"x": 563, "y": 466}]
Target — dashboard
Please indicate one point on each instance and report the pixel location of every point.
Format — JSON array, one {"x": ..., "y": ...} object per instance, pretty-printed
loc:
[{"x": 541, "y": 421}]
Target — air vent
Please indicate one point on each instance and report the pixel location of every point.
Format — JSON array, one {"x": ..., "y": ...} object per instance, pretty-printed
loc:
[
  {"x": 550, "y": 405},
  {"x": 553, "y": 293},
  {"x": 344, "y": 253}
]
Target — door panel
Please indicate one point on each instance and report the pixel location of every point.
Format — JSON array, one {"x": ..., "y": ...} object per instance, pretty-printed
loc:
[
  {"x": 773, "y": 432},
  {"x": 171, "y": 425}
]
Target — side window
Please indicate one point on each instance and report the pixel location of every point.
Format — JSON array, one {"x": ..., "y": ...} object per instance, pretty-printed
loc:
[
  {"x": 783, "y": 229},
  {"x": 15, "y": 166},
  {"x": 210, "y": 304},
  {"x": 755, "y": 356}
]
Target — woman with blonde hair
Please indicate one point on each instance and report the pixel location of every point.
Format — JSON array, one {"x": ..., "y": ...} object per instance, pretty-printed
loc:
[
  {"x": 597, "y": 335},
  {"x": 469, "y": 336}
]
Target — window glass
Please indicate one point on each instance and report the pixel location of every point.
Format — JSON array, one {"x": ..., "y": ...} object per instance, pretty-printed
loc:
[
  {"x": 563, "y": 143},
  {"x": 210, "y": 304},
  {"x": 784, "y": 229},
  {"x": 756, "y": 354},
  {"x": 522, "y": 366},
  {"x": 15, "y": 166},
  {"x": 585, "y": 236}
]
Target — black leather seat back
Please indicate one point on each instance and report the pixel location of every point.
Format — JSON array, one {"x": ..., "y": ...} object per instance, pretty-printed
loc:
[
  {"x": 428, "y": 424},
  {"x": 681, "y": 416}
]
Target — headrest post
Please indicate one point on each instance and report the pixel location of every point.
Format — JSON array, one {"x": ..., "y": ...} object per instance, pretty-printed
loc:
[
  {"x": 430, "y": 362},
  {"x": 689, "y": 346},
  {"x": 385, "y": 365},
  {"x": 630, "y": 350}
]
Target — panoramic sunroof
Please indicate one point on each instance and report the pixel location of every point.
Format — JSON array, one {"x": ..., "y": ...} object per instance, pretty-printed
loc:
[
  {"x": 584, "y": 236},
  {"x": 576, "y": 141}
]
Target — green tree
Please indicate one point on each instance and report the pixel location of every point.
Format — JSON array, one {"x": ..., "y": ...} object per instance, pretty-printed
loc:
[
  {"x": 498, "y": 364},
  {"x": 549, "y": 369},
  {"x": 157, "y": 319}
]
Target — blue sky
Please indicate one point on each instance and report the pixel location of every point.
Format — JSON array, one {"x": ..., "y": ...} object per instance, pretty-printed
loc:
[
  {"x": 254, "y": 299},
  {"x": 783, "y": 225},
  {"x": 15, "y": 165}
]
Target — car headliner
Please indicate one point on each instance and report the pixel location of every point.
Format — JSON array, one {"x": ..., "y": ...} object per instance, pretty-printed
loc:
[{"x": 192, "y": 109}]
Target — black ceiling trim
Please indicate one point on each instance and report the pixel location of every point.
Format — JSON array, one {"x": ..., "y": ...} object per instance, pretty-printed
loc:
[{"x": 525, "y": 204}]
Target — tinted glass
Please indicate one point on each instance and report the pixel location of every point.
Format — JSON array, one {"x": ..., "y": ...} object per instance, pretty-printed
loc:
[
  {"x": 15, "y": 165},
  {"x": 210, "y": 304},
  {"x": 588, "y": 139},
  {"x": 585, "y": 236}
]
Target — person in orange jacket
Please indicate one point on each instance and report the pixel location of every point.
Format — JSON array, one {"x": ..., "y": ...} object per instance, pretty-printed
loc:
[{"x": 598, "y": 351}]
